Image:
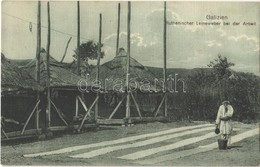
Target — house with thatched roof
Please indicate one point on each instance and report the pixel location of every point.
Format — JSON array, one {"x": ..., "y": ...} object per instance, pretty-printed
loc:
[
  {"x": 65, "y": 98},
  {"x": 115, "y": 70},
  {"x": 112, "y": 76},
  {"x": 64, "y": 90},
  {"x": 17, "y": 99},
  {"x": 59, "y": 76},
  {"x": 13, "y": 78}
]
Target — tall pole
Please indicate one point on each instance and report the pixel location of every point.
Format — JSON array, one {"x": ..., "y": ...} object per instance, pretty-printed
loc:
[
  {"x": 38, "y": 52},
  {"x": 48, "y": 109},
  {"x": 78, "y": 39},
  {"x": 98, "y": 61},
  {"x": 128, "y": 60},
  {"x": 118, "y": 29},
  {"x": 164, "y": 58}
]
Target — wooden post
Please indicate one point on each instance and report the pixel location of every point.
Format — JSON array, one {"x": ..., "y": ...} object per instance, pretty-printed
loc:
[
  {"x": 118, "y": 29},
  {"x": 77, "y": 107},
  {"x": 98, "y": 61},
  {"x": 66, "y": 49},
  {"x": 38, "y": 51},
  {"x": 128, "y": 60},
  {"x": 78, "y": 39},
  {"x": 48, "y": 109},
  {"x": 165, "y": 61}
]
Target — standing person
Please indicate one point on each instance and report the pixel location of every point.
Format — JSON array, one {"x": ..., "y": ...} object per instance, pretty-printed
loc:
[{"x": 223, "y": 120}]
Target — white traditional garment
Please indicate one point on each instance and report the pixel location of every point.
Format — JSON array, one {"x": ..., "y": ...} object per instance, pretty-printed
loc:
[{"x": 225, "y": 127}]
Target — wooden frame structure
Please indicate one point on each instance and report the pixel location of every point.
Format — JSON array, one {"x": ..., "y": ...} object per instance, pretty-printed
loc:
[
  {"x": 78, "y": 98},
  {"x": 37, "y": 131},
  {"x": 128, "y": 95},
  {"x": 165, "y": 97},
  {"x": 48, "y": 89}
]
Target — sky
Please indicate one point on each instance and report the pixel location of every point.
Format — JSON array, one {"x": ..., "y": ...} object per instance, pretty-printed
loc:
[{"x": 187, "y": 46}]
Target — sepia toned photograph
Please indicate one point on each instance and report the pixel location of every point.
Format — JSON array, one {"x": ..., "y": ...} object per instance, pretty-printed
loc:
[{"x": 130, "y": 83}]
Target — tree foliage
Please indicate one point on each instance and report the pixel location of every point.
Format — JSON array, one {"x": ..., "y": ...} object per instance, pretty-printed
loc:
[
  {"x": 221, "y": 66},
  {"x": 207, "y": 90},
  {"x": 88, "y": 50}
]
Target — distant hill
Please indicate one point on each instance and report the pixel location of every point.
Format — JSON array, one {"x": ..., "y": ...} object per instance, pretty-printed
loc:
[
  {"x": 182, "y": 72},
  {"x": 157, "y": 71},
  {"x": 19, "y": 62}
]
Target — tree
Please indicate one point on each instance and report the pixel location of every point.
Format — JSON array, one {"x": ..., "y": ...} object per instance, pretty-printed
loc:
[
  {"x": 221, "y": 69},
  {"x": 88, "y": 50},
  {"x": 221, "y": 66}
]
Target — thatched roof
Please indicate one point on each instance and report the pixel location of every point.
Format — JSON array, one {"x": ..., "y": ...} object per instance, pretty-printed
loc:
[
  {"x": 59, "y": 76},
  {"x": 116, "y": 70},
  {"x": 13, "y": 78}
]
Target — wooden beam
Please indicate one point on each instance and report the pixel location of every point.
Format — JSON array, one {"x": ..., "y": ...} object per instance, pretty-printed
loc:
[
  {"x": 166, "y": 105},
  {"x": 110, "y": 121},
  {"x": 37, "y": 117},
  {"x": 4, "y": 133},
  {"x": 59, "y": 128},
  {"x": 158, "y": 109},
  {"x": 27, "y": 121},
  {"x": 59, "y": 113},
  {"x": 98, "y": 62},
  {"x": 118, "y": 105},
  {"x": 38, "y": 49},
  {"x": 90, "y": 125},
  {"x": 136, "y": 105},
  {"x": 164, "y": 58},
  {"x": 28, "y": 132},
  {"x": 48, "y": 108},
  {"x": 77, "y": 107},
  {"x": 78, "y": 39},
  {"x": 164, "y": 46},
  {"x": 82, "y": 122},
  {"x": 118, "y": 29},
  {"x": 37, "y": 64},
  {"x": 64, "y": 55},
  {"x": 83, "y": 104},
  {"x": 147, "y": 119},
  {"x": 128, "y": 59}
]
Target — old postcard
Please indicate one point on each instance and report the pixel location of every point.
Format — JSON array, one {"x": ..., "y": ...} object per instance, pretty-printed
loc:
[{"x": 130, "y": 83}]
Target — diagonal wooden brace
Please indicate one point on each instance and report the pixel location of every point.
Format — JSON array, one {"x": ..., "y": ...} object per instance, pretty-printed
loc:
[
  {"x": 59, "y": 113},
  {"x": 83, "y": 104},
  {"x": 136, "y": 105},
  {"x": 4, "y": 133},
  {"x": 118, "y": 105},
  {"x": 87, "y": 113},
  {"x": 27, "y": 121},
  {"x": 158, "y": 109}
]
